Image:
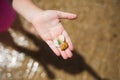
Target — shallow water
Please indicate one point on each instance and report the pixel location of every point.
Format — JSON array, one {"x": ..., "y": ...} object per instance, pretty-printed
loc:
[{"x": 95, "y": 35}]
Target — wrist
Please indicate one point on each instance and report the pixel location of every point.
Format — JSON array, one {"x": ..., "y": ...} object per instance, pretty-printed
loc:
[
  {"x": 28, "y": 9},
  {"x": 33, "y": 14}
]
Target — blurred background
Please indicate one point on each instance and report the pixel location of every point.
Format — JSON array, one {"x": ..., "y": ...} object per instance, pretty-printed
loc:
[{"x": 95, "y": 35}]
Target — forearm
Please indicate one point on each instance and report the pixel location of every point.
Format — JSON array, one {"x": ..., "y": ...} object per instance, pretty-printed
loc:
[{"x": 26, "y": 8}]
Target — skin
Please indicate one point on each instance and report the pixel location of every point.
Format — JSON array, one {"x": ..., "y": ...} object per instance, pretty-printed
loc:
[{"x": 47, "y": 24}]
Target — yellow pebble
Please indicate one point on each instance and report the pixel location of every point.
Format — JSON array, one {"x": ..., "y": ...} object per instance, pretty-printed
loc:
[{"x": 64, "y": 45}]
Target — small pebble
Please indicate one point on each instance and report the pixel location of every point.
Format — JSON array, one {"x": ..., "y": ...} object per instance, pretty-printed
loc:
[
  {"x": 61, "y": 38},
  {"x": 64, "y": 46}
]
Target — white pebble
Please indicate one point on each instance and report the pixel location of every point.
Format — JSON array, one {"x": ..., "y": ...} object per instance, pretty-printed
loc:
[{"x": 61, "y": 38}]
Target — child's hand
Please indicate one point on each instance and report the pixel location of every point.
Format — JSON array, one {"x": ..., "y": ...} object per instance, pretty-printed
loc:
[
  {"x": 49, "y": 27},
  {"x": 47, "y": 23}
]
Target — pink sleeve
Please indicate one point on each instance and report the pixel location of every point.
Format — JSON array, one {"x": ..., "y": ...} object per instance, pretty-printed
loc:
[{"x": 7, "y": 15}]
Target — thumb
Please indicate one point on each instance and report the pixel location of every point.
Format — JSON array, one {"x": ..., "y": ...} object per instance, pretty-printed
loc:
[{"x": 65, "y": 15}]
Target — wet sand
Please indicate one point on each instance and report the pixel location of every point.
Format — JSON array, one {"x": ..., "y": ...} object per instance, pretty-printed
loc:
[{"x": 95, "y": 35}]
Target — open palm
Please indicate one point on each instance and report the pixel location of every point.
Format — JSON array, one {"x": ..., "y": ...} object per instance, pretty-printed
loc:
[{"x": 49, "y": 27}]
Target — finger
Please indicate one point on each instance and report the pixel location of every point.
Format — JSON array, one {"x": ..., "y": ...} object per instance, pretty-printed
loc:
[
  {"x": 63, "y": 54},
  {"x": 66, "y": 15},
  {"x": 68, "y": 40},
  {"x": 51, "y": 45},
  {"x": 69, "y": 53}
]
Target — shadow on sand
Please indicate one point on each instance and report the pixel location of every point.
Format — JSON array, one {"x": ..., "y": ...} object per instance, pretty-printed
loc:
[{"x": 45, "y": 56}]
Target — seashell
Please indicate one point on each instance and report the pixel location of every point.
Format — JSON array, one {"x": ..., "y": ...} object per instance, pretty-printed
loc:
[
  {"x": 61, "y": 38},
  {"x": 60, "y": 42},
  {"x": 56, "y": 43}
]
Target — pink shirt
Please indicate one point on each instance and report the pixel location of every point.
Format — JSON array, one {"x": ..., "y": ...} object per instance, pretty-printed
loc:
[{"x": 7, "y": 15}]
